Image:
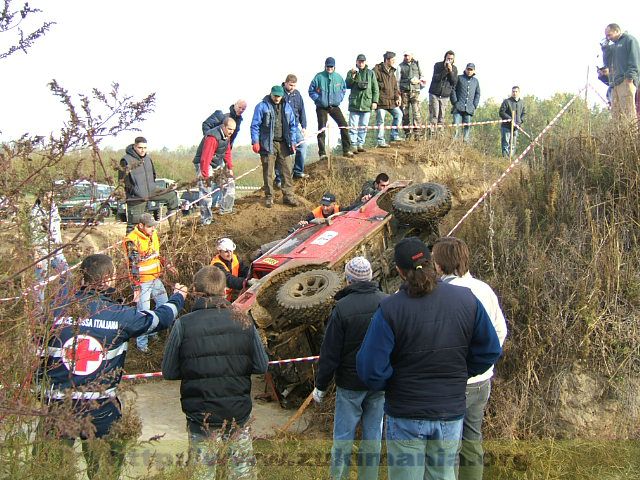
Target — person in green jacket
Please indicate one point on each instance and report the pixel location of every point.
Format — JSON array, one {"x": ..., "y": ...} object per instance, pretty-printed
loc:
[{"x": 363, "y": 98}]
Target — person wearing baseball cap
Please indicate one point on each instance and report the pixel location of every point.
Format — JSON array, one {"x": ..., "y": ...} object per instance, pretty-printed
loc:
[
  {"x": 421, "y": 346},
  {"x": 363, "y": 98},
  {"x": 328, "y": 206},
  {"x": 355, "y": 402},
  {"x": 327, "y": 91},
  {"x": 235, "y": 271},
  {"x": 465, "y": 98},
  {"x": 146, "y": 268},
  {"x": 274, "y": 131}
]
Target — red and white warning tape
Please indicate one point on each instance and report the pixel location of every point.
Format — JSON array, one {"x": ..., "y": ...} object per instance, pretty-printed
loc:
[
  {"x": 137, "y": 376},
  {"x": 104, "y": 250},
  {"x": 514, "y": 163}
]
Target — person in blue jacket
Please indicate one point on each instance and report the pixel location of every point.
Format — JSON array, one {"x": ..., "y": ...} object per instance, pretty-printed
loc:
[
  {"x": 465, "y": 98},
  {"x": 327, "y": 91},
  {"x": 422, "y": 345},
  {"x": 274, "y": 131},
  {"x": 83, "y": 360}
]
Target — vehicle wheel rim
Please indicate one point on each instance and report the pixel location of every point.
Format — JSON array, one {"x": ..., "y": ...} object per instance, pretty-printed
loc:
[
  {"x": 308, "y": 288},
  {"x": 421, "y": 195}
]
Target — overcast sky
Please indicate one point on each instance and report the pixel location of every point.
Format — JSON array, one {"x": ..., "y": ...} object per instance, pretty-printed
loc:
[{"x": 199, "y": 56}]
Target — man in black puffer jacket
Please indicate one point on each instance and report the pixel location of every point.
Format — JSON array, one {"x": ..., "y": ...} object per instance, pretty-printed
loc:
[
  {"x": 214, "y": 350},
  {"x": 355, "y": 403},
  {"x": 445, "y": 77}
]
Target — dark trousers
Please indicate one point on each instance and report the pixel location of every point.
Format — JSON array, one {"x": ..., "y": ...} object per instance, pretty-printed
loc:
[
  {"x": 338, "y": 117},
  {"x": 135, "y": 208}
]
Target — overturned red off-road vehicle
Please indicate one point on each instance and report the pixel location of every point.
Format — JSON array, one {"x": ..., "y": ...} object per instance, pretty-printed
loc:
[{"x": 300, "y": 274}]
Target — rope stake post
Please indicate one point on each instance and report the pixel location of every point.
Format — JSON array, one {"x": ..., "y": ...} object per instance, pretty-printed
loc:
[{"x": 514, "y": 163}]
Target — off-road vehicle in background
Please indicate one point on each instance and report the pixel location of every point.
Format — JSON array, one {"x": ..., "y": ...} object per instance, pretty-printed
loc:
[
  {"x": 300, "y": 275},
  {"x": 83, "y": 200},
  {"x": 157, "y": 209}
]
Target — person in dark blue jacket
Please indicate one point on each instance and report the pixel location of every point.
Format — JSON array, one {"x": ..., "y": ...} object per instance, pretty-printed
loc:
[
  {"x": 422, "y": 345},
  {"x": 216, "y": 118},
  {"x": 84, "y": 358},
  {"x": 273, "y": 135},
  {"x": 465, "y": 98}
]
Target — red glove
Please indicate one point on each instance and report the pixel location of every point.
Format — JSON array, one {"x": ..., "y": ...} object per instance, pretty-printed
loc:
[
  {"x": 256, "y": 148},
  {"x": 293, "y": 147}
]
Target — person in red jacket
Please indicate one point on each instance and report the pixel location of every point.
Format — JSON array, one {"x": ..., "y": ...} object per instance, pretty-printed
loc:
[{"x": 214, "y": 166}]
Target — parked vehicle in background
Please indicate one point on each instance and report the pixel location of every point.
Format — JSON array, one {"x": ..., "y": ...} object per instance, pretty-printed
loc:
[
  {"x": 187, "y": 197},
  {"x": 157, "y": 209},
  {"x": 82, "y": 200}
]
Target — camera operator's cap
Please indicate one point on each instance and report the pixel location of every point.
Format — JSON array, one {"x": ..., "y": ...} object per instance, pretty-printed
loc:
[
  {"x": 147, "y": 220},
  {"x": 277, "y": 91},
  {"x": 330, "y": 62},
  {"x": 226, "y": 244},
  {"x": 471, "y": 66},
  {"x": 361, "y": 58},
  {"x": 328, "y": 199},
  {"x": 358, "y": 269},
  {"x": 388, "y": 55},
  {"x": 411, "y": 252}
]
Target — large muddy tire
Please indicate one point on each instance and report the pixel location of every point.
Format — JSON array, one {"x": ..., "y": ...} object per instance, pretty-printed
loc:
[
  {"x": 308, "y": 296},
  {"x": 421, "y": 204}
]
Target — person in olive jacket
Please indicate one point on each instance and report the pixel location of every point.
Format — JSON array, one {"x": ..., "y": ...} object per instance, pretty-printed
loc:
[
  {"x": 363, "y": 98},
  {"x": 445, "y": 77}
]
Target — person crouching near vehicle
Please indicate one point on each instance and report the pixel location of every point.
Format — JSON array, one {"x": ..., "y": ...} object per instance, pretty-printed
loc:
[
  {"x": 234, "y": 270},
  {"x": 328, "y": 206},
  {"x": 421, "y": 346},
  {"x": 214, "y": 350},
  {"x": 355, "y": 402}
]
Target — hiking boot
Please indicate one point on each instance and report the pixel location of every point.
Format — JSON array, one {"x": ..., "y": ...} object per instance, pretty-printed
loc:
[
  {"x": 300, "y": 175},
  {"x": 348, "y": 154},
  {"x": 355, "y": 150},
  {"x": 291, "y": 201},
  {"x": 268, "y": 202},
  {"x": 361, "y": 149},
  {"x": 324, "y": 157}
]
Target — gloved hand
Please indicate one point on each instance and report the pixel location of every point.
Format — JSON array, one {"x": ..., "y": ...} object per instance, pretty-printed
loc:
[
  {"x": 318, "y": 396},
  {"x": 293, "y": 147},
  {"x": 256, "y": 148},
  {"x": 251, "y": 281}
]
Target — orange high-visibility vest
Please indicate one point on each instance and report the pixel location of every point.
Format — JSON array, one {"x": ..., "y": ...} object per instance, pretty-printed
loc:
[
  {"x": 149, "y": 266},
  {"x": 235, "y": 270},
  {"x": 317, "y": 212}
]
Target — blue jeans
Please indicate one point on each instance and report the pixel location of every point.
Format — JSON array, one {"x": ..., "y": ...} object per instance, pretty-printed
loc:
[
  {"x": 58, "y": 263},
  {"x": 300, "y": 159},
  {"x": 462, "y": 117},
  {"x": 418, "y": 447},
  {"x": 148, "y": 290},
  {"x": 206, "y": 214},
  {"x": 358, "y": 135},
  {"x": 471, "y": 451},
  {"x": 506, "y": 139},
  {"x": 353, "y": 407},
  {"x": 396, "y": 114}
]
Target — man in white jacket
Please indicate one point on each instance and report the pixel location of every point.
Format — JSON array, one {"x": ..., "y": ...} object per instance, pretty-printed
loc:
[{"x": 451, "y": 259}]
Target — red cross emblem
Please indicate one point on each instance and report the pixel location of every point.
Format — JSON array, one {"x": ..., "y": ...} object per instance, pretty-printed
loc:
[{"x": 82, "y": 354}]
